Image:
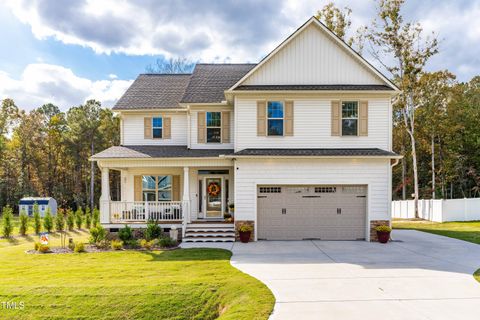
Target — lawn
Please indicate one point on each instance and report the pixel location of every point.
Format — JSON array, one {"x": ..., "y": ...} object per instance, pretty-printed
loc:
[
  {"x": 178, "y": 284},
  {"x": 466, "y": 230}
]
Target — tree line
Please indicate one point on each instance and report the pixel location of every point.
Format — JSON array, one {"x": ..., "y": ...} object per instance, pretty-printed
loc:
[{"x": 45, "y": 152}]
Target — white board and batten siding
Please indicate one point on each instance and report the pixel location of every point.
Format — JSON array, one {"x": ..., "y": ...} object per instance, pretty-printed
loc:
[
  {"x": 312, "y": 57},
  {"x": 312, "y": 126},
  {"x": 374, "y": 173},
  {"x": 133, "y": 133}
]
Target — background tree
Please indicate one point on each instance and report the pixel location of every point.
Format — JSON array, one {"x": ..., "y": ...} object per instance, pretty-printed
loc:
[{"x": 171, "y": 66}]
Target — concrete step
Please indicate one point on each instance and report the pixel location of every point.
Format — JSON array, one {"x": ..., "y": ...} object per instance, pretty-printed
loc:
[
  {"x": 210, "y": 225},
  {"x": 208, "y": 239}
]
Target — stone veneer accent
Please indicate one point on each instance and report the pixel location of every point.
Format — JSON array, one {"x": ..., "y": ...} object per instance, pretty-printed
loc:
[
  {"x": 376, "y": 223},
  {"x": 238, "y": 223}
]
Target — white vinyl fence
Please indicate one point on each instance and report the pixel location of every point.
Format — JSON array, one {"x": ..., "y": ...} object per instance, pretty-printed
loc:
[{"x": 439, "y": 210}]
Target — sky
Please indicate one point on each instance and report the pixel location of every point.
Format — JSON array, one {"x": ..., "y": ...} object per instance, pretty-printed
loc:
[{"x": 66, "y": 52}]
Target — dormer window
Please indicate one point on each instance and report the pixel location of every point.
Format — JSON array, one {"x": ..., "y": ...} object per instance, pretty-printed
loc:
[
  {"x": 214, "y": 127},
  {"x": 157, "y": 128},
  {"x": 275, "y": 117}
]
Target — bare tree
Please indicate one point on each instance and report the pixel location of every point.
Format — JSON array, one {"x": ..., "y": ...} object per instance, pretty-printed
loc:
[{"x": 171, "y": 66}]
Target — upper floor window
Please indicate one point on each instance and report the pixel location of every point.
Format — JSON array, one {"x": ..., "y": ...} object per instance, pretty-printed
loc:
[
  {"x": 349, "y": 118},
  {"x": 214, "y": 127},
  {"x": 157, "y": 188},
  {"x": 157, "y": 128},
  {"x": 275, "y": 118}
]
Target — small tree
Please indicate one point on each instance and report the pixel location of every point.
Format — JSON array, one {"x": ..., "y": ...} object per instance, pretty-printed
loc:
[
  {"x": 60, "y": 221},
  {"x": 70, "y": 219},
  {"x": 23, "y": 223},
  {"x": 48, "y": 220},
  {"x": 79, "y": 218},
  {"x": 96, "y": 217},
  {"x": 37, "y": 220},
  {"x": 7, "y": 217},
  {"x": 88, "y": 218}
]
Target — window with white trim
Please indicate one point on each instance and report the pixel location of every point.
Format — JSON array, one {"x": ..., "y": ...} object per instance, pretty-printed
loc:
[
  {"x": 275, "y": 118},
  {"x": 157, "y": 128},
  {"x": 214, "y": 127},
  {"x": 157, "y": 188},
  {"x": 349, "y": 118}
]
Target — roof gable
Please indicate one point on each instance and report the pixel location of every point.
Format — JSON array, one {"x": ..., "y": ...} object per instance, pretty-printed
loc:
[{"x": 313, "y": 55}]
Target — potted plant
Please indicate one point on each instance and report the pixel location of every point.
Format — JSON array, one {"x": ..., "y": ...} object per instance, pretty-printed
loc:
[
  {"x": 383, "y": 233},
  {"x": 245, "y": 231},
  {"x": 231, "y": 208}
]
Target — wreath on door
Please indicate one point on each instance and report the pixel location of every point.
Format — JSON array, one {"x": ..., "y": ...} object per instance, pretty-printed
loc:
[{"x": 213, "y": 189}]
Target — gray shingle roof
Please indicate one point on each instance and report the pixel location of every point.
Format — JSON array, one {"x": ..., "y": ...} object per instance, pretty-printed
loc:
[
  {"x": 209, "y": 81},
  {"x": 315, "y": 152},
  {"x": 158, "y": 152},
  {"x": 352, "y": 87},
  {"x": 151, "y": 91}
]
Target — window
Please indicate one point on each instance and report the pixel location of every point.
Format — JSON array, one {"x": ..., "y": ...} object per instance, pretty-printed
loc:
[
  {"x": 325, "y": 189},
  {"x": 157, "y": 188},
  {"x": 214, "y": 127},
  {"x": 157, "y": 128},
  {"x": 275, "y": 118},
  {"x": 349, "y": 118},
  {"x": 270, "y": 190}
]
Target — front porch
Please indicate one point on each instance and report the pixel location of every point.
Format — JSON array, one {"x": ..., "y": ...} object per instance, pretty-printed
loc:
[{"x": 171, "y": 195}]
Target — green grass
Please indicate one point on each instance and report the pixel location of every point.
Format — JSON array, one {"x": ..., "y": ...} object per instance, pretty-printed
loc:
[
  {"x": 466, "y": 230},
  {"x": 178, "y": 284},
  {"x": 476, "y": 275}
]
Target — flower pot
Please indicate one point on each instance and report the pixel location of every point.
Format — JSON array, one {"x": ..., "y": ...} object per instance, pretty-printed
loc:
[
  {"x": 245, "y": 236},
  {"x": 383, "y": 236}
]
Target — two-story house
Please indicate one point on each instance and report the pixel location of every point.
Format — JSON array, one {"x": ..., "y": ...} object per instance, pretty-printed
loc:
[{"x": 300, "y": 143}]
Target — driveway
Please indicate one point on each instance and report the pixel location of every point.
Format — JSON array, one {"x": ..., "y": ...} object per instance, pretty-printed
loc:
[{"x": 418, "y": 276}]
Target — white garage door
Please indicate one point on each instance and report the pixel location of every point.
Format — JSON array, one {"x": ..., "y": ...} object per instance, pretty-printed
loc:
[{"x": 311, "y": 212}]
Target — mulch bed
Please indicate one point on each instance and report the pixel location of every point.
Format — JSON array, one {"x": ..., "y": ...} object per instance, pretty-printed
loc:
[{"x": 93, "y": 249}]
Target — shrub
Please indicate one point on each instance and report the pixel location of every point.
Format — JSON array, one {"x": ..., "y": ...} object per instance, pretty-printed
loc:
[
  {"x": 147, "y": 244},
  {"x": 132, "y": 244},
  {"x": 96, "y": 217},
  {"x": 245, "y": 228},
  {"x": 125, "y": 234},
  {"x": 139, "y": 233},
  {"x": 59, "y": 222},
  {"x": 37, "y": 221},
  {"x": 383, "y": 229},
  {"x": 97, "y": 234},
  {"x": 71, "y": 244},
  {"x": 116, "y": 244},
  {"x": 79, "y": 218},
  {"x": 70, "y": 220},
  {"x": 36, "y": 245},
  {"x": 43, "y": 248},
  {"x": 23, "y": 222},
  {"x": 88, "y": 218},
  {"x": 167, "y": 242},
  {"x": 7, "y": 217},
  {"x": 153, "y": 230},
  {"x": 79, "y": 247},
  {"x": 48, "y": 220}
]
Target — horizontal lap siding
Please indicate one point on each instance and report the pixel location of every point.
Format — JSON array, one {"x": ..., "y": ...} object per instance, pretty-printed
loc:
[
  {"x": 133, "y": 130},
  {"x": 312, "y": 127},
  {"x": 375, "y": 173}
]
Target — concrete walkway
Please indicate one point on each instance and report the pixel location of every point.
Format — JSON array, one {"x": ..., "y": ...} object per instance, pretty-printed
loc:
[{"x": 419, "y": 276}]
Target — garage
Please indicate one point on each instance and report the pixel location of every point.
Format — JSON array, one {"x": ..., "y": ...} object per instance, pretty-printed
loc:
[{"x": 325, "y": 212}]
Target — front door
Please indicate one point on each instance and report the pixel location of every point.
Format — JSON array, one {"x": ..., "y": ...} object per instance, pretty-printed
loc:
[{"x": 214, "y": 197}]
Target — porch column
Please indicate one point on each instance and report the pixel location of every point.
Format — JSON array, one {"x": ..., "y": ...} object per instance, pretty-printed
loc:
[
  {"x": 105, "y": 197},
  {"x": 186, "y": 193}
]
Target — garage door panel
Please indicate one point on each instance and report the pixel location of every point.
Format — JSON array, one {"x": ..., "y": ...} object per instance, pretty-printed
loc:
[{"x": 310, "y": 212}]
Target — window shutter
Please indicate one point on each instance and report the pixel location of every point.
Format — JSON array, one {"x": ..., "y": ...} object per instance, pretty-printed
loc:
[
  {"x": 147, "y": 128},
  {"x": 167, "y": 128},
  {"x": 137, "y": 188},
  {"x": 261, "y": 118},
  {"x": 225, "y": 126},
  {"x": 363, "y": 119},
  {"x": 201, "y": 127},
  {"x": 289, "y": 118},
  {"x": 336, "y": 129},
  {"x": 176, "y": 188}
]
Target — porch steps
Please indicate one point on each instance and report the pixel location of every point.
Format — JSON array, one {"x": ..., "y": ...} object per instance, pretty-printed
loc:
[{"x": 212, "y": 232}]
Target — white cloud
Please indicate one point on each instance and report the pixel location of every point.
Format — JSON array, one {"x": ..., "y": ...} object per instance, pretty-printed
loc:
[{"x": 41, "y": 83}]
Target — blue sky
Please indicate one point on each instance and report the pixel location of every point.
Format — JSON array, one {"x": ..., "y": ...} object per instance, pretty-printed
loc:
[{"x": 68, "y": 51}]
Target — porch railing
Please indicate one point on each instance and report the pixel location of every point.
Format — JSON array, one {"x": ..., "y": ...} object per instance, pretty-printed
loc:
[{"x": 142, "y": 211}]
